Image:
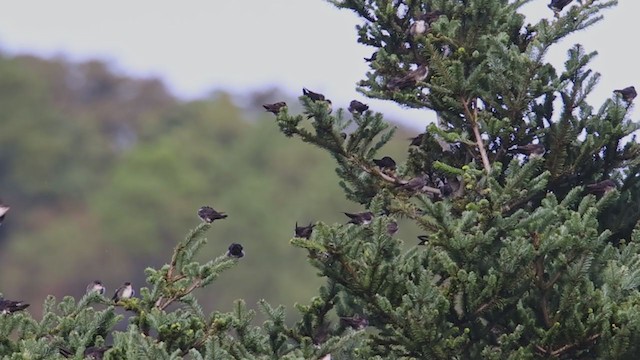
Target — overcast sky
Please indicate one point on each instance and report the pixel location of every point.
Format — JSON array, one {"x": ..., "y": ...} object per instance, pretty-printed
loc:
[{"x": 201, "y": 45}]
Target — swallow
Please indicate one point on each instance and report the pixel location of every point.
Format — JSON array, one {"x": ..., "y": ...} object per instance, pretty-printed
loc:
[
  {"x": 363, "y": 218},
  {"x": 235, "y": 251},
  {"x": 392, "y": 228},
  {"x": 96, "y": 286},
  {"x": 558, "y": 5},
  {"x": 208, "y": 214},
  {"x": 356, "y": 322},
  {"x": 385, "y": 163},
  {"x": 417, "y": 141},
  {"x": 531, "y": 150},
  {"x": 275, "y": 107},
  {"x": 356, "y": 106},
  {"x": 123, "y": 292},
  {"x": 313, "y": 95},
  {"x": 303, "y": 231},
  {"x": 445, "y": 188},
  {"x": 628, "y": 94},
  {"x": 95, "y": 352},
  {"x": 418, "y": 27},
  {"x": 4, "y": 209},
  {"x": 602, "y": 187},
  {"x": 410, "y": 79},
  {"x": 11, "y": 306},
  {"x": 417, "y": 183},
  {"x": 423, "y": 239}
]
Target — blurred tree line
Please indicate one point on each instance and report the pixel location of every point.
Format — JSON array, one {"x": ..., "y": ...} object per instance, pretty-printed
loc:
[{"x": 104, "y": 174}]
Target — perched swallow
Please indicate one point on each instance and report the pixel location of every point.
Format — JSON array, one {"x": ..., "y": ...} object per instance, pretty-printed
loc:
[
  {"x": 385, "y": 163},
  {"x": 356, "y": 106},
  {"x": 558, "y": 5},
  {"x": 313, "y": 95},
  {"x": 303, "y": 231},
  {"x": 531, "y": 150},
  {"x": 4, "y": 209},
  {"x": 628, "y": 94},
  {"x": 417, "y": 141},
  {"x": 409, "y": 80},
  {"x": 392, "y": 228},
  {"x": 95, "y": 352},
  {"x": 423, "y": 239},
  {"x": 275, "y": 107},
  {"x": 208, "y": 214},
  {"x": 92, "y": 352},
  {"x": 356, "y": 322},
  {"x": 363, "y": 218},
  {"x": 418, "y": 27},
  {"x": 445, "y": 189},
  {"x": 123, "y": 292},
  {"x": 96, "y": 286},
  {"x": 602, "y": 187},
  {"x": 373, "y": 57},
  {"x": 11, "y": 306},
  {"x": 235, "y": 251},
  {"x": 417, "y": 183}
]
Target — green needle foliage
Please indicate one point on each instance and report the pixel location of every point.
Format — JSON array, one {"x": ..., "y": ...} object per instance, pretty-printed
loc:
[{"x": 525, "y": 254}]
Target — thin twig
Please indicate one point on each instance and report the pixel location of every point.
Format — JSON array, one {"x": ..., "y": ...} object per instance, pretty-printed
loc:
[{"x": 473, "y": 118}]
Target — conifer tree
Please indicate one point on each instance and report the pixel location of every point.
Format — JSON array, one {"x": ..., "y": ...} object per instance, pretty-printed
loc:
[{"x": 527, "y": 196}]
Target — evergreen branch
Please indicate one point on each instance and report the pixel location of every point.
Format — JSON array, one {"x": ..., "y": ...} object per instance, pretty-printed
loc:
[{"x": 473, "y": 119}]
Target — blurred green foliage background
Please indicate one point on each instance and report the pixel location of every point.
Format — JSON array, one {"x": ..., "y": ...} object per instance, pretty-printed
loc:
[{"x": 104, "y": 174}]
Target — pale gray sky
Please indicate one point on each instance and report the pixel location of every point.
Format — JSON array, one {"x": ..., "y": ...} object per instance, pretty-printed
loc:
[{"x": 201, "y": 45}]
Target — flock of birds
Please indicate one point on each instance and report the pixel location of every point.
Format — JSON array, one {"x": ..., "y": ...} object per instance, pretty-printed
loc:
[{"x": 126, "y": 291}]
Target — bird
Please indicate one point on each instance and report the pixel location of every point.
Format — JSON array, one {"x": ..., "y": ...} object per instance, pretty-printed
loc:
[
  {"x": 275, "y": 107},
  {"x": 417, "y": 140},
  {"x": 303, "y": 231},
  {"x": 531, "y": 150},
  {"x": 417, "y": 183},
  {"x": 602, "y": 187},
  {"x": 363, "y": 218},
  {"x": 385, "y": 163},
  {"x": 410, "y": 79},
  {"x": 628, "y": 94},
  {"x": 356, "y": 322},
  {"x": 11, "y": 306},
  {"x": 3, "y": 211},
  {"x": 558, "y": 5},
  {"x": 418, "y": 27},
  {"x": 235, "y": 251},
  {"x": 208, "y": 214},
  {"x": 95, "y": 352},
  {"x": 445, "y": 188},
  {"x": 356, "y": 106},
  {"x": 123, "y": 292},
  {"x": 422, "y": 239},
  {"x": 392, "y": 228},
  {"x": 96, "y": 286},
  {"x": 313, "y": 95}
]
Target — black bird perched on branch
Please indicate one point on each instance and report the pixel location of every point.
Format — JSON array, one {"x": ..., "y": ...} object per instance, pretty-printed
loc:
[
  {"x": 11, "y": 306},
  {"x": 423, "y": 239},
  {"x": 410, "y": 79},
  {"x": 313, "y": 95},
  {"x": 363, "y": 218},
  {"x": 531, "y": 150},
  {"x": 602, "y": 187},
  {"x": 235, "y": 251},
  {"x": 4, "y": 209},
  {"x": 417, "y": 141},
  {"x": 373, "y": 57},
  {"x": 123, "y": 292},
  {"x": 385, "y": 163},
  {"x": 628, "y": 94},
  {"x": 208, "y": 214},
  {"x": 275, "y": 107},
  {"x": 417, "y": 183},
  {"x": 558, "y": 5},
  {"x": 356, "y": 322},
  {"x": 303, "y": 231},
  {"x": 356, "y": 106}
]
